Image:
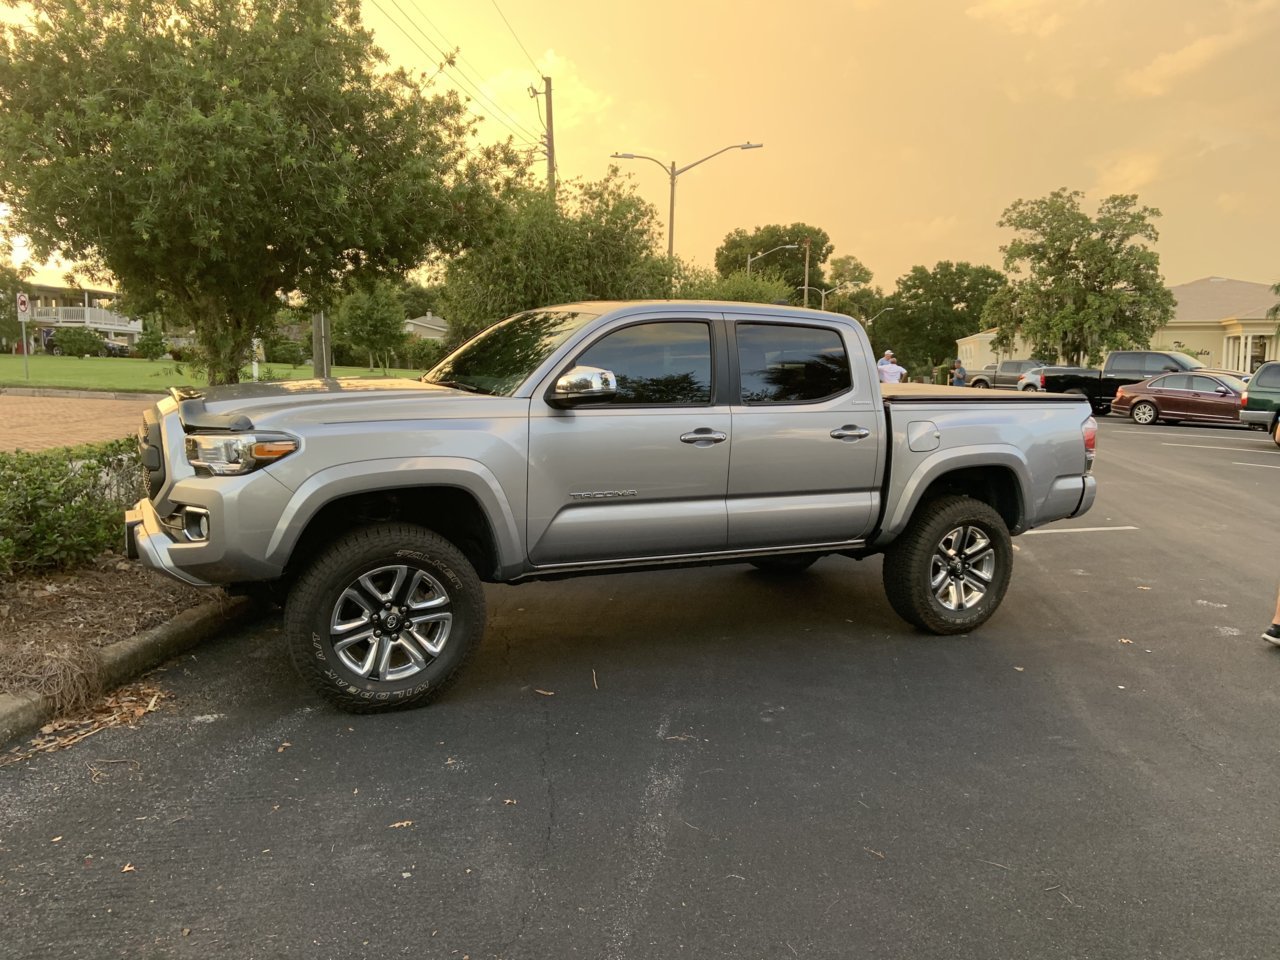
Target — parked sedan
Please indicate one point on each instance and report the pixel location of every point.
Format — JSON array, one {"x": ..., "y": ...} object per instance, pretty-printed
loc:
[
  {"x": 1031, "y": 379},
  {"x": 1174, "y": 397}
]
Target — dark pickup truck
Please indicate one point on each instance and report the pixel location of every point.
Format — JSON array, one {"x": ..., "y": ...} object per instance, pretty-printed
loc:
[{"x": 1122, "y": 367}]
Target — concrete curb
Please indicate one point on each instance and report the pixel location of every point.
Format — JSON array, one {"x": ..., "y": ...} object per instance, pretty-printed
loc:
[
  {"x": 79, "y": 394},
  {"x": 126, "y": 659}
]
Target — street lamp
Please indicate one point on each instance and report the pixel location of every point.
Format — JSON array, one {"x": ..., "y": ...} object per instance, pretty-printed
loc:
[
  {"x": 826, "y": 293},
  {"x": 756, "y": 256},
  {"x": 672, "y": 172},
  {"x": 867, "y": 323}
]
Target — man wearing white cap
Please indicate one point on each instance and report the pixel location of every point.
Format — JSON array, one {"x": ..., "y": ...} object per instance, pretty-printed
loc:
[{"x": 889, "y": 370}]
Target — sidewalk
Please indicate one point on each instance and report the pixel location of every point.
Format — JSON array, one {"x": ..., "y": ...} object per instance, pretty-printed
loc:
[{"x": 42, "y": 422}]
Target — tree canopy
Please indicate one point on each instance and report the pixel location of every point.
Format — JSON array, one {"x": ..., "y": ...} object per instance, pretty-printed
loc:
[
  {"x": 371, "y": 320},
  {"x": 594, "y": 241},
  {"x": 697, "y": 283},
  {"x": 12, "y": 280},
  {"x": 211, "y": 154},
  {"x": 731, "y": 255},
  {"x": 1083, "y": 285},
  {"x": 932, "y": 309}
]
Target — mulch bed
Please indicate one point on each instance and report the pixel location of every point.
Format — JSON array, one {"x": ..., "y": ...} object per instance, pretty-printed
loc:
[{"x": 52, "y": 624}]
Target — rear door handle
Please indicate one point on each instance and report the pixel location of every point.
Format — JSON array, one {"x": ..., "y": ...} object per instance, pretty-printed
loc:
[
  {"x": 851, "y": 431},
  {"x": 704, "y": 437}
]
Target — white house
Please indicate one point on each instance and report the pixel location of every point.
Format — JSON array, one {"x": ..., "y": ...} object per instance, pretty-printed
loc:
[{"x": 429, "y": 327}]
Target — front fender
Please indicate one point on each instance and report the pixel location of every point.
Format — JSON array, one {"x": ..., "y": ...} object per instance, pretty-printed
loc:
[
  {"x": 371, "y": 476},
  {"x": 905, "y": 495}
]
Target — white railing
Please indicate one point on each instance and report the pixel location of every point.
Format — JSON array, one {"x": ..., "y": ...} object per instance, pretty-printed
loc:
[{"x": 92, "y": 318}]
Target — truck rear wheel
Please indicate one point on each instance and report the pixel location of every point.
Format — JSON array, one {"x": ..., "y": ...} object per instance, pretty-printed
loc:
[
  {"x": 385, "y": 618},
  {"x": 950, "y": 568}
]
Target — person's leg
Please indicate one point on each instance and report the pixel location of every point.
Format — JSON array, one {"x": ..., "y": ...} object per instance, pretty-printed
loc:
[{"x": 1272, "y": 633}]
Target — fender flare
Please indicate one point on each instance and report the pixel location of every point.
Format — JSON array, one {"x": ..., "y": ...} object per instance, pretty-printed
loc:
[{"x": 372, "y": 476}]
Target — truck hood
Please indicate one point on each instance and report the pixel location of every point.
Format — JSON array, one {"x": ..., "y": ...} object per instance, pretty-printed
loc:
[{"x": 291, "y": 404}]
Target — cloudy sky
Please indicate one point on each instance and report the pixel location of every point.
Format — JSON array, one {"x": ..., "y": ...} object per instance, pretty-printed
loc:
[{"x": 901, "y": 127}]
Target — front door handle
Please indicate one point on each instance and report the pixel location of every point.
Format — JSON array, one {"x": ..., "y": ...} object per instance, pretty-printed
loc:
[
  {"x": 850, "y": 431},
  {"x": 704, "y": 437}
]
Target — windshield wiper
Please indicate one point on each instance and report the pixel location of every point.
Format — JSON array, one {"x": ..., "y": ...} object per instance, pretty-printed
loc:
[{"x": 459, "y": 385}]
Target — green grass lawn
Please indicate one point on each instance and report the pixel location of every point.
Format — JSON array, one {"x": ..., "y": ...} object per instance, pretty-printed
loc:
[{"x": 141, "y": 376}]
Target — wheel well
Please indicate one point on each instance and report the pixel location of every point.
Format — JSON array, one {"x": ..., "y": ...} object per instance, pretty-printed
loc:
[
  {"x": 449, "y": 511},
  {"x": 995, "y": 486}
]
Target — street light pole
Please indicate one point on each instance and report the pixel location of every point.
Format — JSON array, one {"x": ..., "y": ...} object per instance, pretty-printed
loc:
[
  {"x": 672, "y": 173},
  {"x": 756, "y": 256}
]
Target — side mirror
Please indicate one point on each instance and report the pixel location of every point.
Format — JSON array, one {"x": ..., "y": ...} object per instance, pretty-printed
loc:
[
  {"x": 1222, "y": 391},
  {"x": 581, "y": 385}
]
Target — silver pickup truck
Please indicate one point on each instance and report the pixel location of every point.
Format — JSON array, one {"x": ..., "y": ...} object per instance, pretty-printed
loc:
[{"x": 590, "y": 437}]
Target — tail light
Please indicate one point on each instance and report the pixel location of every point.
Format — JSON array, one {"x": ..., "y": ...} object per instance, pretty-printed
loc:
[
  {"x": 1244, "y": 399},
  {"x": 1120, "y": 392},
  {"x": 1042, "y": 381},
  {"x": 1090, "y": 430}
]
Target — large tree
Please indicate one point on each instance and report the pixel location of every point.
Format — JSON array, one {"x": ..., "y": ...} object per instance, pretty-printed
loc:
[
  {"x": 732, "y": 254},
  {"x": 1083, "y": 285},
  {"x": 12, "y": 280},
  {"x": 594, "y": 241},
  {"x": 697, "y": 283},
  {"x": 932, "y": 309},
  {"x": 210, "y": 154}
]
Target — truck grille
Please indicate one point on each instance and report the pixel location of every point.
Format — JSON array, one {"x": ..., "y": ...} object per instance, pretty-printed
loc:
[{"x": 151, "y": 450}]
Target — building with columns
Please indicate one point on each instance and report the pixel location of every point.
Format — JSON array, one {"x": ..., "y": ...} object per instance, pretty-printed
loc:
[{"x": 1221, "y": 322}]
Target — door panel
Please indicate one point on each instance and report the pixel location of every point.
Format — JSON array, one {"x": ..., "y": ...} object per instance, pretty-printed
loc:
[
  {"x": 791, "y": 481},
  {"x": 644, "y": 475}
]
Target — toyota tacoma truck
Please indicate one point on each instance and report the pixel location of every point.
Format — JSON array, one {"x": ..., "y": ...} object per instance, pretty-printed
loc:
[{"x": 587, "y": 438}]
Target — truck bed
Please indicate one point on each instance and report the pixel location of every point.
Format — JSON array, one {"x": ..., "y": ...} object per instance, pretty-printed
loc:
[{"x": 908, "y": 392}]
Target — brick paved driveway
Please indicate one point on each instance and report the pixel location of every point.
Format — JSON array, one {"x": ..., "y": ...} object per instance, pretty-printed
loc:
[{"x": 39, "y": 423}]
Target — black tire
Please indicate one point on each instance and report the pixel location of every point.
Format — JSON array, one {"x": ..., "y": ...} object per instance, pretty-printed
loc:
[
  {"x": 392, "y": 564},
  {"x": 981, "y": 385},
  {"x": 923, "y": 563},
  {"x": 1144, "y": 413},
  {"x": 786, "y": 565},
  {"x": 55, "y": 351}
]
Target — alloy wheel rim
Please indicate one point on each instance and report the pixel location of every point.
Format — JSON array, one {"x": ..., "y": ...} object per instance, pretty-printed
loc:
[
  {"x": 390, "y": 623},
  {"x": 962, "y": 568},
  {"x": 1143, "y": 413}
]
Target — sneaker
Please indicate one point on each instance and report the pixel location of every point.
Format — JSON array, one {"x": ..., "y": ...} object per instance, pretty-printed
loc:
[{"x": 1272, "y": 634}]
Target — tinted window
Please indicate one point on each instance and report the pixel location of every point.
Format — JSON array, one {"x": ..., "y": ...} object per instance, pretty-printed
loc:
[
  {"x": 1204, "y": 384},
  {"x": 1268, "y": 376},
  {"x": 786, "y": 364},
  {"x": 1126, "y": 365},
  {"x": 1154, "y": 363},
  {"x": 1177, "y": 381},
  {"x": 657, "y": 362}
]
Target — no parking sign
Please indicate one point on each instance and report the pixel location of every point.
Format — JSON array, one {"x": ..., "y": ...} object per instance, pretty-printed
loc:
[{"x": 24, "y": 311}]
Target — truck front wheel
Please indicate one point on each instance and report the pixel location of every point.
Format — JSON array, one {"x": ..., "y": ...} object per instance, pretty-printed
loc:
[
  {"x": 384, "y": 618},
  {"x": 950, "y": 568}
]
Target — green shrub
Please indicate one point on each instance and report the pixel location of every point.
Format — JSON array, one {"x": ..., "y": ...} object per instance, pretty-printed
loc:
[
  {"x": 152, "y": 344},
  {"x": 59, "y": 508},
  {"x": 425, "y": 353},
  {"x": 286, "y": 351},
  {"x": 75, "y": 342}
]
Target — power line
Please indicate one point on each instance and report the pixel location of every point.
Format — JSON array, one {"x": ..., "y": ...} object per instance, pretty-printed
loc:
[
  {"x": 461, "y": 60},
  {"x": 513, "y": 33},
  {"x": 520, "y": 134}
]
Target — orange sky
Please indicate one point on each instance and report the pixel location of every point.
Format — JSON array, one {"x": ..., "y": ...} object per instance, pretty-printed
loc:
[{"x": 901, "y": 127}]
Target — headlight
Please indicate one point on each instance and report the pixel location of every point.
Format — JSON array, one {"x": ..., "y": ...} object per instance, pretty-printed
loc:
[{"x": 226, "y": 454}]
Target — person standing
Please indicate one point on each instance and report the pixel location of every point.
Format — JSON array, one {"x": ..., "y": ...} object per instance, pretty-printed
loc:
[
  {"x": 890, "y": 372},
  {"x": 886, "y": 359},
  {"x": 1272, "y": 633},
  {"x": 957, "y": 376}
]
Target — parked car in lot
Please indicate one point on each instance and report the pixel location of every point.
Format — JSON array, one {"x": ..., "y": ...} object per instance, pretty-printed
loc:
[
  {"x": 1260, "y": 405},
  {"x": 1002, "y": 376},
  {"x": 1032, "y": 379},
  {"x": 587, "y": 438},
  {"x": 1175, "y": 397},
  {"x": 1121, "y": 367},
  {"x": 108, "y": 347}
]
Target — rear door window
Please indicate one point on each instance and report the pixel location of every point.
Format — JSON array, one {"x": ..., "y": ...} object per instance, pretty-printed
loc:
[
  {"x": 1177, "y": 381},
  {"x": 1126, "y": 365},
  {"x": 785, "y": 363}
]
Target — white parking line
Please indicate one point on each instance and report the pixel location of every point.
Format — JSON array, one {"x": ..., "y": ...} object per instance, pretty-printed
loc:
[
  {"x": 1201, "y": 446},
  {"x": 1244, "y": 436},
  {"x": 1077, "y": 530},
  {"x": 1269, "y": 466}
]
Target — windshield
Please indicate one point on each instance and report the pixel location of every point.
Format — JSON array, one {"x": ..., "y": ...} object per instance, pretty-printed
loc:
[{"x": 497, "y": 360}]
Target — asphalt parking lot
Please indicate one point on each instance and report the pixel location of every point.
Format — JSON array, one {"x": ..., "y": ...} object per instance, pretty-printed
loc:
[{"x": 719, "y": 764}]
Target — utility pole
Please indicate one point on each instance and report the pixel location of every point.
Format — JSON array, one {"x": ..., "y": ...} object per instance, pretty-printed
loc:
[
  {"x": 549, "y": 138},
  {"x": 806, "y": 270},
  {"x": 320, "y": 346}
]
